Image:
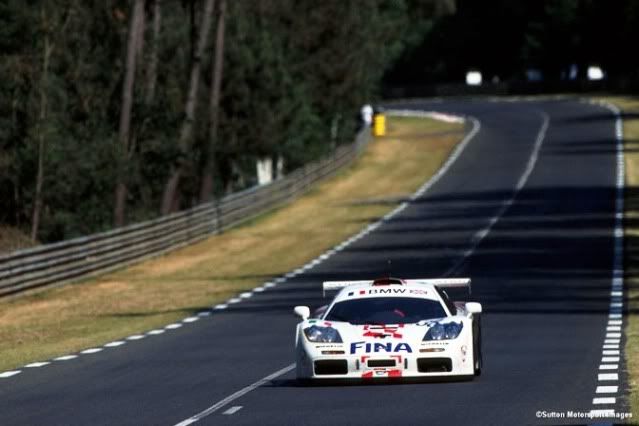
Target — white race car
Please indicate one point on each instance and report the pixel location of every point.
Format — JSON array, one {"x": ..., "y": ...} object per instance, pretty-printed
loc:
[{"x": 390, "y": 328}]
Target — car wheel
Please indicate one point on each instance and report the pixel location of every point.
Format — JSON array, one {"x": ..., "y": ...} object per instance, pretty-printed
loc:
[{"x": 477, "y": 353}]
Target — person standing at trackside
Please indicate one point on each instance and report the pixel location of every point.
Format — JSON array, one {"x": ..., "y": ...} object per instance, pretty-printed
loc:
[{"x": 367, "y": 115}]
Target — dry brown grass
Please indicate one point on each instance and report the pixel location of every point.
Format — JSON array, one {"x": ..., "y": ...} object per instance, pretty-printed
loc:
[{"x": 163, "y": 290}]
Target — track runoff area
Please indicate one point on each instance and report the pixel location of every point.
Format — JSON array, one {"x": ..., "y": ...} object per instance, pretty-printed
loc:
[{"x": 522, "y": 206}]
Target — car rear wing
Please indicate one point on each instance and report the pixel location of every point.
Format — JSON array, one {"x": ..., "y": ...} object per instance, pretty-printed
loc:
[
  {"x": 338, "y": 285},
  {"x": 443, "y": 283}
]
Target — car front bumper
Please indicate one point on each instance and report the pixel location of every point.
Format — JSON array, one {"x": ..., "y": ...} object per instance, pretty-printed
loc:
[{"x": 428, "y": 359}]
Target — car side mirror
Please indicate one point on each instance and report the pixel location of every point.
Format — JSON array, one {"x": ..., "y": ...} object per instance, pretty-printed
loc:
[
  {"x": 473, "y": 308},
  {"x": 303, "y": 312}
]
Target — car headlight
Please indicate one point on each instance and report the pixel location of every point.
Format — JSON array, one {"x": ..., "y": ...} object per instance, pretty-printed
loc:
[
  {"x": 318, "y": 334},
  {"x": 444, "y": 331}
]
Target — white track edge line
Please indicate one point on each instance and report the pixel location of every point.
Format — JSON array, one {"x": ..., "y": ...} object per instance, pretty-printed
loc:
[{"x": 613, "y": 327}]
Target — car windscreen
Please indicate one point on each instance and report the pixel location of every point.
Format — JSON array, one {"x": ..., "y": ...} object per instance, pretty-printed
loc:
[{"x": 386, "y": 310}]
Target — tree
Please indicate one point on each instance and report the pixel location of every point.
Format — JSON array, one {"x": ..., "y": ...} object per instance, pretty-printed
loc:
[
  {"x": 134, "y": 46},
  {"x": 48, "y": 21},
  {"x": 186, "y": 133},
  {"x": 214, "y": 106},
  {"x": 152, "y": 72}
]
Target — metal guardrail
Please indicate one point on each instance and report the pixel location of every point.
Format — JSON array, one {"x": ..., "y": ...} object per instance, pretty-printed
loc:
[{"x": 66, "y": 261}]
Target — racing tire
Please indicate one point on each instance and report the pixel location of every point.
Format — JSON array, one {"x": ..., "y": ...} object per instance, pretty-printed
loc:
[{"x": 477, "y": 353}]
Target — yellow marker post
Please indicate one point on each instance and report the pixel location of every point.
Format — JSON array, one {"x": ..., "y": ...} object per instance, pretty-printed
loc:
[{"x": 379, "y": 125}]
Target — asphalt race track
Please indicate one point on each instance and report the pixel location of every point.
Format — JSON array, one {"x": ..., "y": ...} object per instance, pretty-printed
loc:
[{"x": 527, "y": 211}]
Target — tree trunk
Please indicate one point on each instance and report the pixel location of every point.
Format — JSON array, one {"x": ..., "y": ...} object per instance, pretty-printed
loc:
[
  {"x": 133, "y": 46},
  {"x": 186, "y": 132},
  {"x": 206, "y": 190},
  {"x": 140, "y": 29},
  {"x": 44, "y": 83},
  {"x": 152, "y": 75}
]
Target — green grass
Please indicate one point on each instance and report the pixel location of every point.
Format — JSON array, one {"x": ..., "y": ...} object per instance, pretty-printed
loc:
[{"x": 152, "y": 294}]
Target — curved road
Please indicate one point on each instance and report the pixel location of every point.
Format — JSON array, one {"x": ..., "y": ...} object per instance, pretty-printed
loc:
[{"x": 527, "y": 211}]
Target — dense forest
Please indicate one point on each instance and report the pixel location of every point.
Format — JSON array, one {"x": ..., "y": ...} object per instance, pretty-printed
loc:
[{"x": 114, "y": 111}]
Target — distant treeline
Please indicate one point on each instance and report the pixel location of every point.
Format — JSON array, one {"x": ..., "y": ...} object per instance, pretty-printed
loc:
[
  {"x": 503, "y": 39},
  {"x": 114, "y": 111}
]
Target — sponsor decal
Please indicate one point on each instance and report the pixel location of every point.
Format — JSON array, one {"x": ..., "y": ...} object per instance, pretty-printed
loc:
[
  {"x": 368, "y": 347},
  {"x": 383, "y": 331},
  {"x": 378, "y": 291},
  {"x": 387, "y": 291},
  {"x": 381, "y": 373},
  {"x": 395, "y": 373},
  {"x": 374, "y": 291},
  {"x": 434, "y": 343}
]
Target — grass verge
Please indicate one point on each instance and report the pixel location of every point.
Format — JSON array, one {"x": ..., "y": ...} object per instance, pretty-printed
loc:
[
  {"x": 630, "y": 109},
  {"x": 160, "y": 291}
]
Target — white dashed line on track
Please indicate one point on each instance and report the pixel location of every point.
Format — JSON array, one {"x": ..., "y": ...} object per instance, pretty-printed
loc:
[
  {"x": 37, "y": 364},
  {"x": 114, "y": 344},
  {"x": 91, "y": 351},
  {"x": 65, "y": 358},
  {"x": 607, "y": 376},
  {"x": 608, "y": 366},
  {"x": 599, "y": 401},
  {"x": 136, "y": 337},
  {"x": 232, "y": 410},
  {"x": 9, "y": 374},
  {"x": 607, "y": 389}
]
